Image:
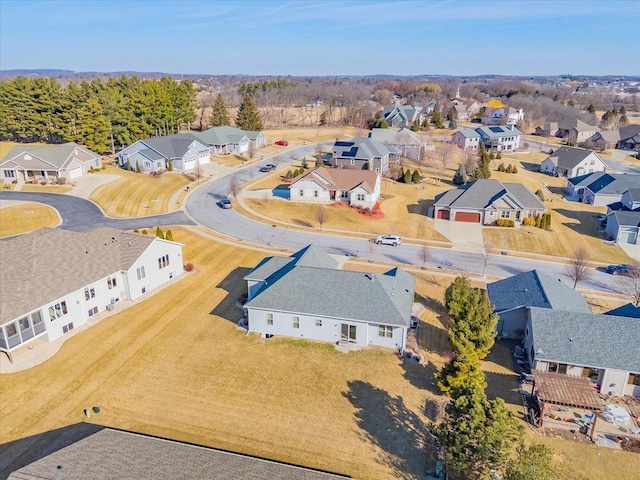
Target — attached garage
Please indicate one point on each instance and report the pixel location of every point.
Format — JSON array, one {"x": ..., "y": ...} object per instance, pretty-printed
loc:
[
  {"x": 443, "y": 214},
  {"x": 75, "y": 172},
  {"x": 467, "y": 217},
  {"x": 628, "y": 236}
]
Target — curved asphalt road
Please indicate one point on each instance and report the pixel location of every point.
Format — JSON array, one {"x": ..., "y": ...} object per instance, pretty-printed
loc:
[{"x": 81, "y": 215}]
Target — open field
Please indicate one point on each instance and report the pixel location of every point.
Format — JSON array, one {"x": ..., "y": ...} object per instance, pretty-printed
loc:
[
  {"x": 25, "y": 218},
  {"x": 135, "y": 194},
  {"x": 403, "y": 205}
]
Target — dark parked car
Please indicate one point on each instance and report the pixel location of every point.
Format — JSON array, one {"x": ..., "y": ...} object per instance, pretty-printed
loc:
[
  {"x": 626, "y": 270},
  {"x": 268, "y": 167},
  {"x": 225, "y": 203},
  {"x": 282, "y": 143}
]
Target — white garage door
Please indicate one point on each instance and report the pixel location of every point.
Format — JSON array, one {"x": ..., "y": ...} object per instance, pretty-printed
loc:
[
  {"x": 243, "y": 147},
  {"x": 204, "y": 159},
  {"x": 627, "y": 236},
  {"x": 75, "y": 172}
]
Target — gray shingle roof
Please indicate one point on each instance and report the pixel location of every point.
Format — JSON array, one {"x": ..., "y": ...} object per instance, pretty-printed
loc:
[
  {"x": 534, "y": 289},
  {"x": 174, "y": 146},
  {"x": 313, "y": 286},
  {"x": 402, "y": 136},
  {"x": 58, "y": 155},
  {"x": 607, "y": 183},
  {"x": 569, "y": 157},
  {"x": 628, "y": 310},
  {"x": 113, "y": 455},
  {"x": 629, "y": 131},
  {"x": 468, "y": 132},
  {"x": 570, "y": 123},
  {"x": 362, "y": 148},
  {"x": 586, "y": 339},
  {"x": 309, "y": 256},
  {"x": 221, "y": 135},
  {"x": 498, "y": 131},
  {"x": 482, "y": 193},
  {"x": 628, "y": 218},
  {"x": 47, "y": 275}
]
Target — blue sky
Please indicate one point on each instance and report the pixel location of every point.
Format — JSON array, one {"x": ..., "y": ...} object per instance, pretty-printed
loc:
[{"x": 334, "y": 37}]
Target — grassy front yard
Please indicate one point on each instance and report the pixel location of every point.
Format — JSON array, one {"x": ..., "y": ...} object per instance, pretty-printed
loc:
[
  {"x": 46, "y": 188},
  {"x": 135, "y": 194},
  {"x": 25, "y": 218}
]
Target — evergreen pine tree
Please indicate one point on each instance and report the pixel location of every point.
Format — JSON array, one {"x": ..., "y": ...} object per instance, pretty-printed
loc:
[
  {"x": 483, "y": 169},
  {"x": 407, "y": 176},
  {"x": 415, "y": 177},
  {"x": 170, "y": 165},
  {"x": 460, "y": 177},
  {"x": 436, "y": 118},
  {"x": 159, "y": 233},
  {"x": 168, "y": 236},
  {"x": 248, "y": 117},
  {"x": 220, "y": 113},
  {"x": 401, "y": 176}
]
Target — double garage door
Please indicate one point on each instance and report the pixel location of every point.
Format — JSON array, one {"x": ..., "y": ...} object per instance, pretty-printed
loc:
[
  {"x": 75, "y": 172},
  {"x": 467, "y": 217}
]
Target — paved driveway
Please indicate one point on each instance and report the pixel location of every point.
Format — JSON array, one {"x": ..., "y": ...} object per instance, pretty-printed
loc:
[{"x": 465, "y": 236}]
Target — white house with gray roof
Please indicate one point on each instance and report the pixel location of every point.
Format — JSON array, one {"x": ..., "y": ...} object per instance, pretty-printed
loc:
[
  {"x": 405, "y": 140},
  {"x": 403, "y": 115},
  {"x": 55, "y": 280},
  {"x": 185, "y": 152},
  {"x": 487, "y": 200},
  {"x": 227, "y": 139},
  {"x": 305, "y": 296},
  {"x": 513, "y": 295},
  {"x": 27, "y": 163},
  {"x": 601, "y": 347},
  {"x": 572, "y": 162},
  {"x": 467, "y": 139},
  {"x": 601, "y": 188},
  {"x": 505, "y": 138},
  {"x": 502, "y": 116},
  {"x": 363, "y": 153}
]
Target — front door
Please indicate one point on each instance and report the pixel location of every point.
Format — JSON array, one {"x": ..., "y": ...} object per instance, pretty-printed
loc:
[{"x": 348, "y": 333}]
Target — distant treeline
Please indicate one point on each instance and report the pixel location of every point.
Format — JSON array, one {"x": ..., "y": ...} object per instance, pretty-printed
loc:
[{"x": 102, "y": 115}]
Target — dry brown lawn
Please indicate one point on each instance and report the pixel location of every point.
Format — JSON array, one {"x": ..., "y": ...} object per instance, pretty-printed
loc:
[
  {"x": 25, "y": 218},
  {"x": 5, "y": 147},
  {"x": 135, "y": 194},
  {"x": 46, "y": 188}
]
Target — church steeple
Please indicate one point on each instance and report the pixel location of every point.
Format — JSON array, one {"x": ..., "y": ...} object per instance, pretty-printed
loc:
[{"x": 458, "y": 93}]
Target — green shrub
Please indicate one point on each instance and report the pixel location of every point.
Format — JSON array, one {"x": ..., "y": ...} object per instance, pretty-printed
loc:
[
  {"x": 540, "y": 194},
  {"x": 407, "y": 176},
  {"x": 505, "y": 222},
  {"x": 528, "y": 221},
  {"x": 501, "y": 167},
  {"x": 159, "y": 233},
  {"x": 168, "y": 236},
  {"x": 135, "y": 230},
  {"x": 416, "y": 177},
  {"x": 499, "y": 156},
  {"x": 289, "y": 175},
  {"x": 305, "y": 165},
  {"x": 144, "y": 232}
]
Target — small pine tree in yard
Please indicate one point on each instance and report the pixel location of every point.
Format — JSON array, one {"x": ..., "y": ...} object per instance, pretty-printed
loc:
[
  {"x": 319, "y": 162},
  {"x": 401, "y": 177},
  {"x": 407, "y": 176},
  {"x": 135, "y": 230},
  {"x": 127, "y": 166},
  {"x": 540, "y": 194},
  {"x": 170, "y": 165},
  {"x": 144, "y": 232},
  {"x": 159, "y": 233},
  {"x": 501, "y": 167},
  {"x": 491, "y": 155},
  {"x": 305, "y": 165},
  {"x": 289, "y": 175},
  {"x": 538, "y": 220},
  {"x": 460, "y": 177},
  {"x": 416, "y": 177},
  {"x": 499, "y": 156},
  {"x": 168, "y": 236}
]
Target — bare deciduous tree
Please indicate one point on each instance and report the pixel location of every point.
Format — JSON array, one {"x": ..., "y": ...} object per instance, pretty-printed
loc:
[
  {"x": 234, "y": 186},
  {"x": 440, "y": 161},
  {"x": 488, "y": 250},
  {"x": 577, "y": 269},
  {"x": 321, "y": 216},
  {"x": 372, "y": 249},
  {"x": 629, "y": 285},
  {"x": 424, "y": 254}
]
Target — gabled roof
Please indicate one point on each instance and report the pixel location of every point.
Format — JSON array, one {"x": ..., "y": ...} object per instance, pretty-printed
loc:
[
  {"x": 586, "y": 339},
  {"x": 362, "y": 148},
  {"x": 309, "y": 256},
  {"x": 402, "y": 136},
  {"x": 483, "y": 193},
  {"x": 408, "y": 112},
  {"x": 223, "y": 135},
  {"x": 569, "y": 157},
  {"x": 57, "y": 155},
  {"x": 253, "y": 134},
  {"x": 628, "y": 310},
  {"x": 534, "y": 289},
  {"x": 173, "y": 146},
  {"x": 627, "y": 218},
  {"x": 606, "y": 183},
  {"x": 341, "y": 178},
  {"x": 468, "y": 132},
  {"x": 46, "y": 275},
  {"x": 609, "y": 136},
  {"x": 110, "y": 454},
  {"x": 579, "y": 125},
  {"x": 311, "y": 285},
  {"x": 629, "y": 131},
  {"x": 498, "y": 131}
]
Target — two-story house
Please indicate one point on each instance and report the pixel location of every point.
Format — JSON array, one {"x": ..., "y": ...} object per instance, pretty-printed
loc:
[
  {"x": 572, "y": 162},
  {"x": 364, "y": 154}
]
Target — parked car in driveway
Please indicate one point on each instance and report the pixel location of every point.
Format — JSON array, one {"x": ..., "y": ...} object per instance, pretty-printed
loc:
[
  {"x": 282, "y": 143},
  {"x": 388, "y": 240},
  {"x": 626, "y": 270},
  {"x": 225, "y": 203}
]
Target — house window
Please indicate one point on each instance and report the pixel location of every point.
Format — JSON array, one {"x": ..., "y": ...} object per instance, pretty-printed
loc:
[
  {"x": 269, "y": 318},
  {"x": 10, "y": 174},
  {"x": 140, "y": 273},
  {"x": 92, "y": 311},
  {"x": 385, "y": 331},
  {"x": 111, "y": 282},
  {"x": 24, "y": 324},
  {"x": 67, "y": 328},
  {"x": 360, "y": 197},
  {"x": 57, "y": 310},
  {"x": 301, "y": 193},
  {"x": 11, "y": 330},
  {"x": 144, "y": 290},
  {"x": 318, "y": 322},
  {"x": 634, "y": 379},
  {"x": 163, "y": 261},
  {"x": 592, "y": 373},
  {"x": 345, "y": 194},
  {"x": 315, "y": 193},
  {"x": 504, "y": 214},
  {"x": 353, "y": 162},
  {"x": 89, "y": 293},
  {"x": 296, "y": 322}
]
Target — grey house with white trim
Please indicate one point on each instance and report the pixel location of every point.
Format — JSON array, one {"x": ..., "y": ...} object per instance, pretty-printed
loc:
[
  {"x": 227, "y": 139},
  {"x": 403, "y": 139},
  {"x": 183, "y": 150},
  {"x": 46, "y": 293},
  {"x": 572, "y": 162},
  {"x": 305, "y": 296},
  {"x": 363, "y": 153},
  {"x": 601, "y": 347},
  {"x": 505, "y": 138},
  {"x": 27, "y": 163},
  {"x": 601, "y": 188},
  {"x": 487, "y": 200},
  {"x": 467, "y": 139},
  {"x": 623, "y": 226},
  {"x": 512, "y": 296}
]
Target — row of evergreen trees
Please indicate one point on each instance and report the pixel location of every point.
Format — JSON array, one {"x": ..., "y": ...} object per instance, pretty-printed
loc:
[
  {"x": 248, "y": 117},
  {"x": 102, "y": 115}
]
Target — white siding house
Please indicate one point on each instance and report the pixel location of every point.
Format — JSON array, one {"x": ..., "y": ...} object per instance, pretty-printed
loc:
[
  {"x": 354, "y": 308},
  {"x": 51, "y": 294},
  {"x": 572, "y": 162},
  {"x": 184, "y": 151}
]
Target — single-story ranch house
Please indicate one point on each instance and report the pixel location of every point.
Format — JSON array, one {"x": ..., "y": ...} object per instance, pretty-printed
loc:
[
  {"x": 364, "y": 154},
  {"x": 183, "y": 150},
  {"x": 405, "y": 140},
  {"x": 51, "y": 293},
  {"x": 601, "y": 188},
  {"x": 572, "y": 162},
  {"x": 485, "y": 201},
  {"x": 227, "y": 139},
  {"x": 512, "y": 296},
  {"x": 27, "y": 163},
  {"x": 601, "y": 347},
  {"x": 306, "y": 296},
  {"x": 358, "y": 188}
]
